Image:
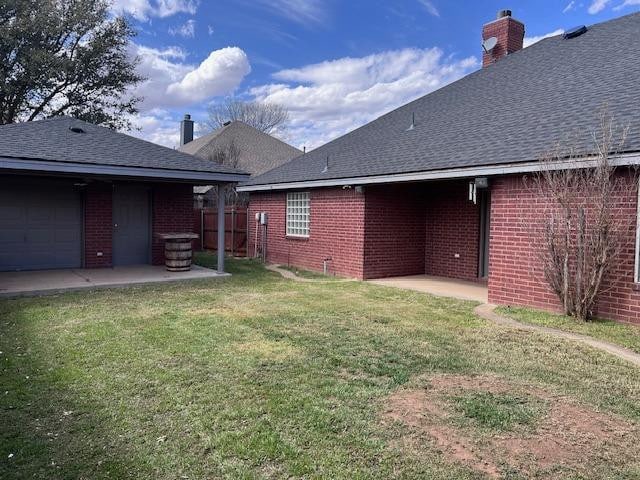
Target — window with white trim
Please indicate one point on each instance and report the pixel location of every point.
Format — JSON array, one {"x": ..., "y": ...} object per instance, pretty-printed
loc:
[{"x": 298, "y": 214}]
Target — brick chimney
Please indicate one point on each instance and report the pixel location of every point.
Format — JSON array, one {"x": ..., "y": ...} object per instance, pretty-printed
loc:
[
  {"x": 186, "y": 130},
  {"x": 510, "y": 35}
]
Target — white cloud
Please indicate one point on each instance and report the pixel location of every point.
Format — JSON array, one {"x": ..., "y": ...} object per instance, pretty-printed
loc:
[
  {"x": 627, "y": 3},
  {"x": 328, "y": 99},
  {"x": 219, "y": 74},
  {"x": 210, "y": 29},
  {"x": 570, "y": 6},
  {"x": 431, "y": 8},
  {"x": 299, "y": 11},
  {"x": 597, "y": 6},
  {"x": 161, "y": 67},
  {"x": 528, "y": 41},
  {"x": 187, "y": 29},
  {"x": 172, "y": 82},
  {"x": 143, "y": 10},
  {"x": 157, "y": 126}
]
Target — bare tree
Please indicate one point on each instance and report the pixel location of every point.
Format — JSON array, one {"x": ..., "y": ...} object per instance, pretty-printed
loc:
[
  {"x": 581, "y": 233},
  {"x": 266, "y": 117},
  {"x": 228, "y": 155}
]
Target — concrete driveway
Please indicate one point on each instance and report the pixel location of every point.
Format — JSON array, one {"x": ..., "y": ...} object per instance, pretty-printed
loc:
[{"x": 42, "y": 282}]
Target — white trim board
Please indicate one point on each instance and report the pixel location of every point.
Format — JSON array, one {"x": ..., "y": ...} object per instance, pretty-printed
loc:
[
  {"x": 446, "y": 174},
  {"x": 8, "y": 163}
]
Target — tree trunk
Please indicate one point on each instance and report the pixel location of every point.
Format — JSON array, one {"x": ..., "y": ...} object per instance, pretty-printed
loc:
[
  {"x": 566, "y": 297},
  {"x": 581, "y": 311}
]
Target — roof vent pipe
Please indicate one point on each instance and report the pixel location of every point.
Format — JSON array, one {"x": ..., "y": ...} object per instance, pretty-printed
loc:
[
  {"x": 326, "y": 166},
  {"x": 413, "y": 122}
]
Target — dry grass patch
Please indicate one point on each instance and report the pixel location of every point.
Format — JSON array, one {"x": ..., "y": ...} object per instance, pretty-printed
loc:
[
  {"x": 501, "y": 428},
  {"x": 267, "y": 349}
]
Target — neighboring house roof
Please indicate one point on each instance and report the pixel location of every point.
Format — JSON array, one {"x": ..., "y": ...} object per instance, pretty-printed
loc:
[
  {"x": 258, "y": 151},
  {"x": 51, "y": 145},
  {"x": 512, "y": 111}
]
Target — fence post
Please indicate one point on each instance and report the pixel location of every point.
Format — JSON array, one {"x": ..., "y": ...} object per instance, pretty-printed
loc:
[
  {"x": 233, "y": 231},
  {"x": 202, "y": 247}
]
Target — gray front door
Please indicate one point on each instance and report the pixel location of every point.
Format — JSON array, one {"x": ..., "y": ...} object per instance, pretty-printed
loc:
[
  {"x": 131, "y": 225},
  {"x": 40, "y": 225}
]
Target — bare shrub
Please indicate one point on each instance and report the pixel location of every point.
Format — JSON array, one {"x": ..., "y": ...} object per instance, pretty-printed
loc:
[{"x": 581, "y": 235}]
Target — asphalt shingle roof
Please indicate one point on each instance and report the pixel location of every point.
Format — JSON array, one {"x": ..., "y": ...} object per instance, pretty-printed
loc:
[
  {"x": 53, "y": 140},
  {"x": 258, "y": 151},
  {"x": 513, "y": 111}
]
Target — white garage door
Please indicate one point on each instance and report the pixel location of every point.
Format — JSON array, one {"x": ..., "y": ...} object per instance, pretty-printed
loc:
[{"x": 41, "y": 226}]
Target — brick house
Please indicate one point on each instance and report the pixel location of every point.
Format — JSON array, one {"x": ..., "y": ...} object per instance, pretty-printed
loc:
[
  {"x": 396, "y": 196},
  {"x": 73, "y": 195}
]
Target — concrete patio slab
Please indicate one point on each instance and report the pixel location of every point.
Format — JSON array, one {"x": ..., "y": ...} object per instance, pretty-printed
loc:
[
  {"x": 439, "y": 286},
  {"x": 47, "y": 282}
]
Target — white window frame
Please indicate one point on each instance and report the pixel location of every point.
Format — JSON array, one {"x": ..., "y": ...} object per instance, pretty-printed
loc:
[
  {"x": 636, "y": 274},
  {"x": 298, "y": 214}
]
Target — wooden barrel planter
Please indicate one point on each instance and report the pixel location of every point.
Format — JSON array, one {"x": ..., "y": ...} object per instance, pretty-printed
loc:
[
  {"x": 177, "y": 251},
  {"x": 177, "y": 255}
]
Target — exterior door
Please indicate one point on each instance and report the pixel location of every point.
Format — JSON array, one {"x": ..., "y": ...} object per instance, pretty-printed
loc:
[
  {"x": 40, "y": 225},
  {"x": 131, "y": 225},
  {"x": 485, "y": 222}
]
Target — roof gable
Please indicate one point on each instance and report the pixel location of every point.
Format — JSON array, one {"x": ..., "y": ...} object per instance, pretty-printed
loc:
[{"x": 258, "y": 151}]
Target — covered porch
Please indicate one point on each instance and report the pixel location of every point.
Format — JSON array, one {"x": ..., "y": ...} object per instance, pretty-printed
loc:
[{"x": 428, "y": 231}]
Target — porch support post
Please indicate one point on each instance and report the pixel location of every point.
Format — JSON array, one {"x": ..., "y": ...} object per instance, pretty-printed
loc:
[{"x": 221, "y": 227}]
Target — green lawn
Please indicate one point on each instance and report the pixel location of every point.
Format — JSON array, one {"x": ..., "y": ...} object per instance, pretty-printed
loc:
[
  {"x": 615, "y": 332},
  {"x": 260, "y": 377}
]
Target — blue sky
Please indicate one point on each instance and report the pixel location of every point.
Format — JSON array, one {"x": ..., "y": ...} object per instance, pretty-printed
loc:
[{"x": 334, "y": 64}]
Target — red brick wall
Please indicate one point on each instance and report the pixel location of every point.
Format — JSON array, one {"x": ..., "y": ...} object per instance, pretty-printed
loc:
[
  {"x": 387, "y": 231},
  {"x": 452, "y": 227},
  {"x": 336, "y": 231},
  {"x": 394, "y": 241},
  {"x": 98, "y": 225},
  {"x": 172, "y": 212},
  {"x": 515, "y": 272}
]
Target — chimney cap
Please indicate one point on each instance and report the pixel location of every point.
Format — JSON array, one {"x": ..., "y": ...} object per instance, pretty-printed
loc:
[
  {"x": 187, "y": 116},
  {"x": 504, "y": 13}
]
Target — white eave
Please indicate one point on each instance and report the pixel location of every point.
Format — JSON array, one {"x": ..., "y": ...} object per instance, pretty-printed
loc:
[
  {"x": 447, "y": 174},
  {"x": 161, "y": 174}
]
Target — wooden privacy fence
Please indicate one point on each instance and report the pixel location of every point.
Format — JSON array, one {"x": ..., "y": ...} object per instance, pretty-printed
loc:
[{"x": 235, "y": 227}]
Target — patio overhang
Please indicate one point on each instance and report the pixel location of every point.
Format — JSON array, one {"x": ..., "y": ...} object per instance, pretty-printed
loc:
[{"x": 35, "y": 166}]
